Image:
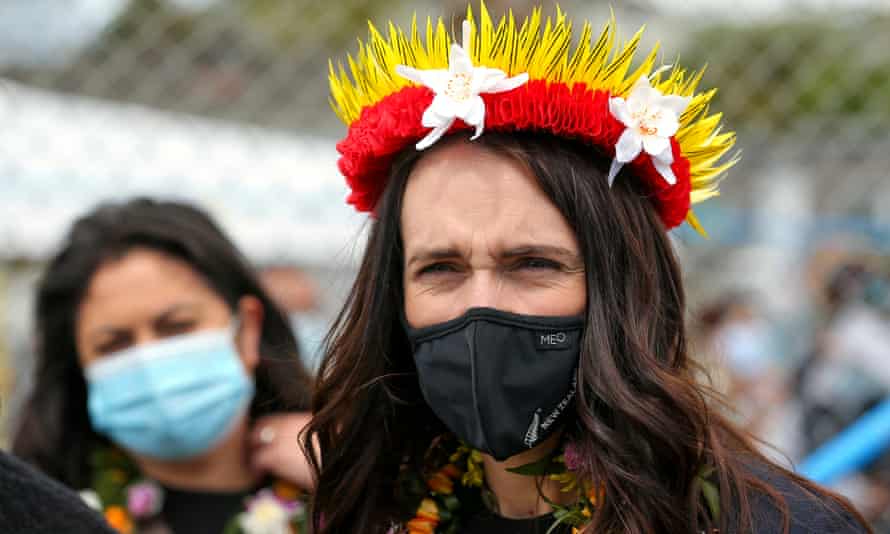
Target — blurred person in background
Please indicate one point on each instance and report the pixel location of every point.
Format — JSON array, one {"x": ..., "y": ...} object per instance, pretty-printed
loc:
[
  {"x": 296, "y": 293},
  {"x": 847, "y": 372},
  {"x": 159, "y": 354},
  {"x": 735, "y": 340}
]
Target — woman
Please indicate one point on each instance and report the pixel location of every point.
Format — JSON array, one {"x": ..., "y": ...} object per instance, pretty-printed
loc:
[
  {"x": 163, "y": 373},
  {"x": 512, "y": 357}
]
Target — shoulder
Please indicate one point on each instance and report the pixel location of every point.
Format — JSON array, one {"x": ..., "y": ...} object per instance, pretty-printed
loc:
[
  {"x": 35, "y": 504},
  {"x": 809, "y": 510}
]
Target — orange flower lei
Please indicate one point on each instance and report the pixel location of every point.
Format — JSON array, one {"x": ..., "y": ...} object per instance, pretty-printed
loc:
[{"x": 437, "y": 511}]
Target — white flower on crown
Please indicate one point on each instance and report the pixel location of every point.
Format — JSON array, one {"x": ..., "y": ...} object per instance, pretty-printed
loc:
[
  {"x": 651, "y": 119},
  {"x": 457, "y": 90}
]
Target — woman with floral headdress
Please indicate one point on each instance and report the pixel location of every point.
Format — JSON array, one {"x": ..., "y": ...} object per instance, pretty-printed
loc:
[{"x": 512, "y": 357}]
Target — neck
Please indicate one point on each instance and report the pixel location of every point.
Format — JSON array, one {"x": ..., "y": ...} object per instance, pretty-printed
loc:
[
  {"x": 225, "y": 467},
  {"x": 520, "y": 496}
]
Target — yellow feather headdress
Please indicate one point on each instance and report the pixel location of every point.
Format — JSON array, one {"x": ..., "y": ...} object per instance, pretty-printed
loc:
[{"x": 404, "y": 88}]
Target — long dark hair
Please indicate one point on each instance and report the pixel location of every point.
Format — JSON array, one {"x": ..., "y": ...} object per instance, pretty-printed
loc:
[
  {"x": 642, "y": 423},
  {"x": 55, "y": 433}
]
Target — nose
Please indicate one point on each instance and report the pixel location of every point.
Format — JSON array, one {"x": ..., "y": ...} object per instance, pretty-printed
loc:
[{"x": 485, "y": 290}]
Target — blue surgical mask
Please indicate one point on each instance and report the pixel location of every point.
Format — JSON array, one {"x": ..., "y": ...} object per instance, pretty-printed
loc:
[
  {"x": 170, "y": 399},
  {"x": 748, "y": 347}
]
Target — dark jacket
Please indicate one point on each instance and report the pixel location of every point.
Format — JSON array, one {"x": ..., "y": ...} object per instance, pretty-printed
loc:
[
  {"x": 808, "y": 514},
  {"x": 31, "y": 503}
]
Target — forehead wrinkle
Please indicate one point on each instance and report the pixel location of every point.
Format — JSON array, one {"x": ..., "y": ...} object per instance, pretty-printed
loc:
[
  {"x": 525, "y": 231},
  {"x": 434, "y": 242},
  {"x": 470, "y": 194}
]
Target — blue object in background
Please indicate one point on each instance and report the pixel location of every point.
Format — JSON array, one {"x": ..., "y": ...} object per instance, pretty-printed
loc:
[{"x": 851, "y": 450}]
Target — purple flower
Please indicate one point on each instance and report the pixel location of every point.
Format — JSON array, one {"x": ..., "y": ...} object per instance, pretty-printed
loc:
[
  {"x": 572, "y": 457},
  {"x": 144, "y": 499}
]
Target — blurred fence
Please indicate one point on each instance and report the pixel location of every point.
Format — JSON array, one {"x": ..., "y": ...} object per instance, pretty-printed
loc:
[{"x": 806, "y": 86}]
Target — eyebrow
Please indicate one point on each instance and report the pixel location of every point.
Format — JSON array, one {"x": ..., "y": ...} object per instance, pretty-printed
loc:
[
  {"x": 425, "y": 255},
  {"x": 540, "y": 250},
  {"x": 174, "y": 309},
  {"x": 95, "y": 336}
]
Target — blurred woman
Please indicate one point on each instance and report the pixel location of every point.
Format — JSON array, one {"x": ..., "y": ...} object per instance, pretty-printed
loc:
[{"x": 159, "y": 361}]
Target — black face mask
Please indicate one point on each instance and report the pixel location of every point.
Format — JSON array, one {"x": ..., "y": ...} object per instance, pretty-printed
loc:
[{"x": 499, "y": 381}]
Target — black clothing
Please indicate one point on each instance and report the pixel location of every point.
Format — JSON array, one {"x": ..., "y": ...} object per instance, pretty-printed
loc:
[
  {"x": 488, "y": 523},
  {"x": 809, "y": 515},
  {"x": 195, "y": 512},
  {"x": 32, "y": 503}
]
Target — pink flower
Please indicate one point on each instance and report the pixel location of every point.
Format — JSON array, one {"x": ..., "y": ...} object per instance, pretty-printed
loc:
[
  {"x": 144, "y": 499},
  {"x": 572, "y": 457}
]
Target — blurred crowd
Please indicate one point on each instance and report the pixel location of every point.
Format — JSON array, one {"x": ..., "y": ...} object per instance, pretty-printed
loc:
[{"x": 795, "y": 383}]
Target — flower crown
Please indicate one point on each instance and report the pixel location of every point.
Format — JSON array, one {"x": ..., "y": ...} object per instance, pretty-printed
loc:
[{"x": 406, "y": 90}]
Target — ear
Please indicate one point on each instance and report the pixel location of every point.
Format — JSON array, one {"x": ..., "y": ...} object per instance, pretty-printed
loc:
[{"x": 250, "y": 313}]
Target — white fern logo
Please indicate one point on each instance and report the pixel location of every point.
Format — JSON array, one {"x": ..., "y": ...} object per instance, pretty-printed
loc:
[{"x": 531, "y": 435}]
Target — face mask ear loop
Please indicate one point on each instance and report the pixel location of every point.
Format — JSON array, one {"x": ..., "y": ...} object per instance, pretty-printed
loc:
[
  {"x": 235, "y": 330},
  {"x": 235, "y": 333},
  {"x": 235, "y": 325}
]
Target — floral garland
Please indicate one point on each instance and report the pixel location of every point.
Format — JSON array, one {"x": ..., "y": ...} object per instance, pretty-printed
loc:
[
  {"x": 129, "y": 501},
  {"x": 445, "y": 498},
  {"x": 536, "y": 74}
]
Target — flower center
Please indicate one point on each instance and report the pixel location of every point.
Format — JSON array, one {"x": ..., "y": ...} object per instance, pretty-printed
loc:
[
  {"x": 459, "y": 86},
  {"x": 646, "y": 121}
]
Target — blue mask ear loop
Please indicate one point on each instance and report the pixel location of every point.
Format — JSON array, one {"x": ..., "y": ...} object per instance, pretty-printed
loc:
[
  {"x": 235, "y": 327},
  {"x": 235, "y": 332}
]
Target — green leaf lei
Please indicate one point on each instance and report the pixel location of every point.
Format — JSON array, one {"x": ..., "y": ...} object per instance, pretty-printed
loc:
[{"x": 457, "y": 490}]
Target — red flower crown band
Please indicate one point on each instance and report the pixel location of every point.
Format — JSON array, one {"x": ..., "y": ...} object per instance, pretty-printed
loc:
[{"x": 406, "y": 91}]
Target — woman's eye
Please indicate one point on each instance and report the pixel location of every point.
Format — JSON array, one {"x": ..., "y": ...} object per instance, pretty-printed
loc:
[
  {"x": 175, "y": 328},
  {"x": 437, "y": 268},
  {"x": 535, "y": 264},
  {"x": 116, "y": 345}
]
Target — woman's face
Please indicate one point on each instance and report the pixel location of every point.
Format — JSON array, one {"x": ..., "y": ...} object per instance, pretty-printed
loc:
[
  {"x": 146, "y": 296},
  {"x": 479, "y": 232}
]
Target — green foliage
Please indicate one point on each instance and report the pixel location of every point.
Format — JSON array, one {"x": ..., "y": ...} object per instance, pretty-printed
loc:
[
  {"x": 112, "y": 472},
  {"x": 783, "y": 74},
  {"x": 287, "y": 22},
  {"x": 167, "y": 26},
  {"x": 549, "y": 465}
]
